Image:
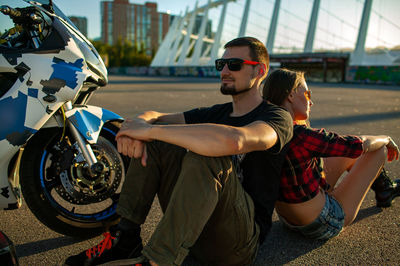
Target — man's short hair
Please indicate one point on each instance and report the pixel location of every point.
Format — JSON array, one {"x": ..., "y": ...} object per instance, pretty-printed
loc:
[{"x": 258, "y": 51}]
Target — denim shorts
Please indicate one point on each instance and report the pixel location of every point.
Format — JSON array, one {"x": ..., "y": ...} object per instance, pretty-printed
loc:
[{"x": 328, "y": 224}]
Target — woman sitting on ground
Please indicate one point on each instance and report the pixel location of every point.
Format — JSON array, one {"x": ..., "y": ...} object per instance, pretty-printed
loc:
[{"x": 310, "y": 201}]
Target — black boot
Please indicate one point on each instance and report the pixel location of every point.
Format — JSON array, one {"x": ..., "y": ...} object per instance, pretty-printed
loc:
[{"x": 385, "y": 189}]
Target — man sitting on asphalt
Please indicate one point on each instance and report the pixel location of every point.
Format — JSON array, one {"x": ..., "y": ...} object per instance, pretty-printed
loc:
[{"x": 215, "y": 171}]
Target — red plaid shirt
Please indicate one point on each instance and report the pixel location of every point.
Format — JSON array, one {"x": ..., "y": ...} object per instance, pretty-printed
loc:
[{"x": 302, "y": 173}]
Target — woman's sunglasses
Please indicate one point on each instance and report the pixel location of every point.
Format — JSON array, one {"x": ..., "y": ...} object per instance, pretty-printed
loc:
[
  {"x": 307, "y": 94},
  {"x": 234, "y": 64}
]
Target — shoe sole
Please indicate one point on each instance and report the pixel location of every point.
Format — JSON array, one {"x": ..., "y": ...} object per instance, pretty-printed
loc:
[
  {"x": 386, "y": 204},
  {"x": 125, "y": 261}
]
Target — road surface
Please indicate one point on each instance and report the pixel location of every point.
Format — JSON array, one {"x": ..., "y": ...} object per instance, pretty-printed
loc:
[{"x": 374, "y": 239}]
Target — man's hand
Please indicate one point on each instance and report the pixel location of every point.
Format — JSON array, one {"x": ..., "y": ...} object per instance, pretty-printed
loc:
[
  {"x": 136, "y": 129},
  {"x": 132, "y": 137},
  {"x": 132, "y": 148},
  {"x": 130, "y": 140}
]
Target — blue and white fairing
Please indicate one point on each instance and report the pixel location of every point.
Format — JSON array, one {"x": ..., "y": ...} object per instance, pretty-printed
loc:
[
  {"x": 47, "y": 78},
  {"x": 89, "y": 120}
]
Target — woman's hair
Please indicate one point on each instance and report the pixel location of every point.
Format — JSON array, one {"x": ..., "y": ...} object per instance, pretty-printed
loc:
[{"x": 280, "y": 83}]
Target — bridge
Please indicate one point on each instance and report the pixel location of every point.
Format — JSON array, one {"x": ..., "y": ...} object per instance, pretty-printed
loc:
[{"x": 329, "y": 32}]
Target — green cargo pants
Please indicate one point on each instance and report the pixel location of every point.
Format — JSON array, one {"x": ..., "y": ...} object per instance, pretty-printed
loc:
[{"x": 206, "y": 210}]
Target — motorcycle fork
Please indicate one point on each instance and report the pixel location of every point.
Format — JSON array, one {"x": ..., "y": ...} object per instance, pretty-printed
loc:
[
  {"x": 94, "y": 166},
  {"x": 13, "y": 179}
]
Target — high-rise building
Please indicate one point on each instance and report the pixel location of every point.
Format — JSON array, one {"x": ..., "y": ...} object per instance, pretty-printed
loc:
[
  {"x": 80, "y": 23},
  {"x": 139, "y": 24}
]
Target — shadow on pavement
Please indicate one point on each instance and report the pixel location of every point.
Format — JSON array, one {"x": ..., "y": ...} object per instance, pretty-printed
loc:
[
  {"x": 283, "y": 246},
  {"x": 346, "y": 120},
  {"x": 36, "y": 247},
  {"x": 361, "y": 86},
  {"x": 365, "y": 213}
]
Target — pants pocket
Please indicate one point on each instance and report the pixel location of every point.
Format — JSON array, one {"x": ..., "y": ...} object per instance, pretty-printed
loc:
[{"x": 244, "y": 212}]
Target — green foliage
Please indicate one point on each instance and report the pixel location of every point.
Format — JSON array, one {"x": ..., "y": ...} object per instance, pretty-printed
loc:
[{"x": 122, "y": 54}]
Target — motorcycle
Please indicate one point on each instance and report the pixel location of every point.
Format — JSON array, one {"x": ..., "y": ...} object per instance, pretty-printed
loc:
[{"x": 55, "y": 150}]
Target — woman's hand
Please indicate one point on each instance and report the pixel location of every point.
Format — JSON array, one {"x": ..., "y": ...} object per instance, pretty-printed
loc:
[{"x": 393, "y": 150}]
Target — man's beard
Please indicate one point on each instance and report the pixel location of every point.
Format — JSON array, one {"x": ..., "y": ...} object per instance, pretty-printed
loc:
[{"x": 225, "y": 90}]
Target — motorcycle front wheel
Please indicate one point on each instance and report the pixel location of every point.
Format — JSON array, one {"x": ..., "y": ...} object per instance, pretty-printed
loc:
[{"x": 59, "y": 188}]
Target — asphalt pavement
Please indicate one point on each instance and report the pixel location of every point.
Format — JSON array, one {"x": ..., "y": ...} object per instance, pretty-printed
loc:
[{"x": 373, "y": 239}]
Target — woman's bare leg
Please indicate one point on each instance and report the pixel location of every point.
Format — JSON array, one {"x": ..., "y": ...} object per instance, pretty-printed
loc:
[
  {"x": 354, "y": 186},
  {"x": 334, "y": 167}
]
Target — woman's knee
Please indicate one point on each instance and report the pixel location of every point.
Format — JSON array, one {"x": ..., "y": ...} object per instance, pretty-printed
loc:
[{"x": 381, "y": 154}]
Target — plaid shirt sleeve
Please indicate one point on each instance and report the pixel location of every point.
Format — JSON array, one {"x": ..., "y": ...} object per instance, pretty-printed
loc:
[
  {"x": 301, "y": 174},
  {"x": 322, "y": 143}
]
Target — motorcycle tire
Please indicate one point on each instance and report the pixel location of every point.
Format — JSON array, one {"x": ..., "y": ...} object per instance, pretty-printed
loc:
[{"x": 58, "y": 188}]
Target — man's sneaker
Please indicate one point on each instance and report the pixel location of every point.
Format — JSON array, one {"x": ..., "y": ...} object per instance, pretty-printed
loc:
[
  {"x": 385, "y": 189},
  {"x": 146, "y": 263},
  {"x": 117, "y": 248},
  {"x": 8, "y": 256}
]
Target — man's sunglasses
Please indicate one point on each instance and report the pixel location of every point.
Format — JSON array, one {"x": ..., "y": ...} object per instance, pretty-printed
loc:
[{"x": 234, "y": 64}]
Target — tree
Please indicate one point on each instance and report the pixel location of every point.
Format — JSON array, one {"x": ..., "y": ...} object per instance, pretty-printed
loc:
[{"x": 123, "y": 54}]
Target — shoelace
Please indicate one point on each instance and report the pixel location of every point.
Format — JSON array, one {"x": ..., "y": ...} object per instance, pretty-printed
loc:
[{"x": 106, "y": 243}]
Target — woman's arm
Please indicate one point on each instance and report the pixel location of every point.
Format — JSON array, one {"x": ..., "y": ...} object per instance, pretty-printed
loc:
[{"x": 373, "y": 143}]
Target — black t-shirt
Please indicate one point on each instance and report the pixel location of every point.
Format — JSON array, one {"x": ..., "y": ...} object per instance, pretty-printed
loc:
[{"x": 260, "y": 170}]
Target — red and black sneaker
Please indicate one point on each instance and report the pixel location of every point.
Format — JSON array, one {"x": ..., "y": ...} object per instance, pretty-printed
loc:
[
  {"x": 117, "y": 248},
  {"x": 146, "y": 263},
  {"x": 8, "y": 256}
]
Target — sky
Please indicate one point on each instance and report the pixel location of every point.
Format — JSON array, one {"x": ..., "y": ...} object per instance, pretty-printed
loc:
[
  {"x": 338, "y": 20},
  {"x": 91, "y": 10}
]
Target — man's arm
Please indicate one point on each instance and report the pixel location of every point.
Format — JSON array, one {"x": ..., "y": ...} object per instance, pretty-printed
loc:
[
  {"x": 204, "y": 139},
  {"x": 157, "y": 117},
  {"x": 137, "y": 148}
]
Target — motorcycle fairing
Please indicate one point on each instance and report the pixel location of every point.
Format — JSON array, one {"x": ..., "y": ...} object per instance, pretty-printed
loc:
[
  {"x": 89, "y": 120},
  {"x": 10, "y": 197},
  {"x": 24, "y": 108},
  {"x": 12, "y": 117}
]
